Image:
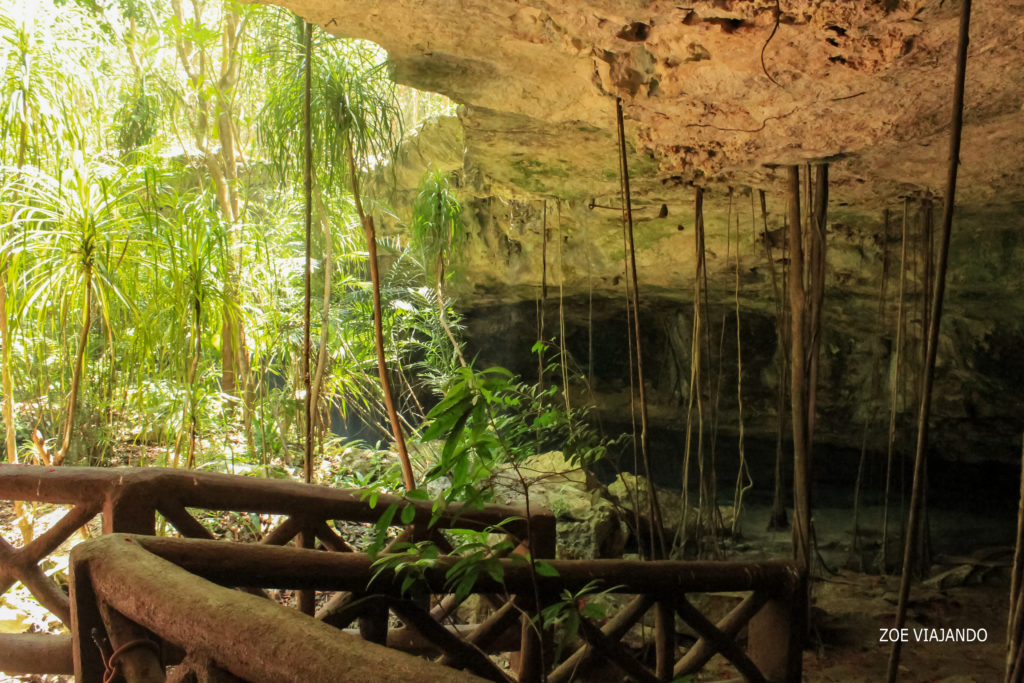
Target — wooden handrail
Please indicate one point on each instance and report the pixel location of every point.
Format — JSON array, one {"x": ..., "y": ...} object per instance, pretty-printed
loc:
[
  {"x": 292, "y": 568},
  {"x": 243, "y": 634},
  {"x": 216, "y": 491},
  {"x": 130, "y": 498}
]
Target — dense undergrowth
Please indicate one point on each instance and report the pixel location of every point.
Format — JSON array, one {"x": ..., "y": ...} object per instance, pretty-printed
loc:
[{"x": 152, "y": 237}]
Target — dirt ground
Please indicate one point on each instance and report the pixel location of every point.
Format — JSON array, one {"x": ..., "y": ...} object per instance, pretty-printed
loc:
[
  {"x": 851, "y": 609},
  {"x": 968, "y": 587}
]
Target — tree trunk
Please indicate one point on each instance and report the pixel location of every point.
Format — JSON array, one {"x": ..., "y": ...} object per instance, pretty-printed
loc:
[
  {"x": 76, "y": 377},
  {"x": 8, "y": 385},
  {"x": 924, "y": 407},
  {"x": 193, "y": 408},
  {"x": 777, "y": 519},
  {"x": 378, "y": 325},
  {"x": 24, "y": 522},
  {"x": 658, "y": 547},
  {"x": 316, "y": 387},
  {"x": 895, "y": 376},
  {"x": 798, "y": 390},
  {"x": 444, "y": 318},
  {"x": 816, "y": 266},
  {"x": 307, "y": 190}
]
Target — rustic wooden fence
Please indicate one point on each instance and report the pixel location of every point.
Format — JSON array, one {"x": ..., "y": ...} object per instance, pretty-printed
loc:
[{"x": 167, "y": 599}]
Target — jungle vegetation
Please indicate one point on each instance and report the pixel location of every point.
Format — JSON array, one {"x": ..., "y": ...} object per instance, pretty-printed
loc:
[{"x": 153, "y": 241}]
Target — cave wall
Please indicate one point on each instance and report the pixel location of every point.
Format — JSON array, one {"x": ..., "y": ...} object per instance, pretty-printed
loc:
[{"x": 978, "y": 408}]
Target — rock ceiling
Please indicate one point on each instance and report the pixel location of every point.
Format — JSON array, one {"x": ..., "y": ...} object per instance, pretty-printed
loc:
[
  {"x": 720, "y": 94},
  {"x": 716, "y": 92}
]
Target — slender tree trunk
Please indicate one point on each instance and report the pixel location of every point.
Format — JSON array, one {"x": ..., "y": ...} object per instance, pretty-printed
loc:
[
  {"x": 658, "y": 548},
  {"x": 5, "y": 367},
  {"x": 875, "y": 398},
  {"x": 1015, "y": 622},
  {"x": 378, "y": 325},
  {"x": 798, "y": 391},
  {"x": 22, "y": 512},
  {"x": 443, "y": 316},
  {"x": 744, "y": 470},
  {"x": 8, "y": 385},
  {"x": 223, "y": 166},
  {"x": 817, "y": 286},
  {"x": 80, "y": 359},
  {"x": 541, "y": 342},
  {"x": 894, "y": 391},
  {"x": 778, "y": 519},
  {"x": 307, "y": 189},
  {"x": 924, "y": 409},
  {"x": 704, "y": 486},
  {"x": 193, "y": 374},
  {"x": 325, "y": 307},
  {"x": 634, "y": 492},
  {"x": 25, "y": 525},
  {"x": 561, "y": 326},
  {"x": 923, "y": 552}
]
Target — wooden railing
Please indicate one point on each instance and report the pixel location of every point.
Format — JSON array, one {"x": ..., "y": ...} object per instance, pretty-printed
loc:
[
  {"x": 130, "y": 500},
  {"x": 166, "y": 601}
]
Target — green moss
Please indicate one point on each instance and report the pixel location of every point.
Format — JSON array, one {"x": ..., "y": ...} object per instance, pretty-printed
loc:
[{"x": 534, "y": 176}]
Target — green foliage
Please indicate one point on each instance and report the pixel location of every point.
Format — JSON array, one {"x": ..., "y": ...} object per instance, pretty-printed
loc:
[
  {"x": 488, "y": 417},
  {"x": 71, "y": 229},
  {"x": 566, "y": 614},
  {"x": 110, "y": 149},
  {"x": 477, "y": 556},
  {"x": 436, "y": 228},
  {"x": 409, "y": 561},
  {"x": 352, "y": 97}
]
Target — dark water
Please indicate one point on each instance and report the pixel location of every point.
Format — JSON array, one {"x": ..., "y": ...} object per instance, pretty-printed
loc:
[{"x": 985, "y": 494}]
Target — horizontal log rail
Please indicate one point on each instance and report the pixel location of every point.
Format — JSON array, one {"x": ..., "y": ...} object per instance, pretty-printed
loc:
[
  {"x": 218, "y": 628},
  {"x": 290, "y": 568},
  {"x": 772, "y": 655},
  {"x": 144, "y": 488}
]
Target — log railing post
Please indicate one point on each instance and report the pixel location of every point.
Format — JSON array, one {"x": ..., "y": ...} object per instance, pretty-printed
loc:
[
  {"x": 665, "y": 640},
  {"x": 536, "y": 648},
  {"x": 134, "y": 654},
  {"x": 85, "y": 620},
  {"x": 307, "y": 596},
  {"x": 775, "y": 636},
  {"x": 373, "y": 626},
  {"x": 129, "y": 512}
]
